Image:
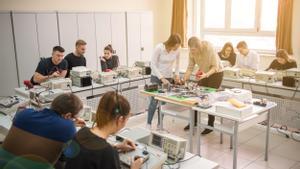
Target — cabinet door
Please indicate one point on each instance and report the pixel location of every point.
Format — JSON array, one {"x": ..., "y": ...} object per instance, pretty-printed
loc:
[
  {"x": 47, "y": 33},
  {"x": 26, "y": 44},
  {"x": 133, "y": 37},
  {"x": 146, "y": 35},
  {"x": 68, "y": 31},
  {"x": 103, "y": 33},
  {"x": 8, "y": 73},
  {"x": 118, "y": 28},
  {"x": 87, "y": 32}
]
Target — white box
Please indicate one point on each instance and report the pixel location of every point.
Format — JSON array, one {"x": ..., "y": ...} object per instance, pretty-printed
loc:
[
  {"x": 265, "y": 76},
  {"x": 295, "y": 72},
  {"x": 230, "y": 72},
  {"x": 80, "y": 71},
  {"x": 229, "y": 109},
  {"x": 241, "y": 95}
]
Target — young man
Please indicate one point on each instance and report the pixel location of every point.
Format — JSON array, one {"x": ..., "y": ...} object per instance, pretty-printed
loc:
[
  {"x": 76, "y": 58},
  {"x": 246, "y": 59},
  {"x": 37, "y": 138},
  {"x": 51, "y": 67}
]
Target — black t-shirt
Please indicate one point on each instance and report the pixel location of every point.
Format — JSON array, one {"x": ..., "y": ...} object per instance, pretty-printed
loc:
[
  {"x": 47, "y": 67},
  {"x": 74, "y": 61},
  {"x": 231, "y": 59},
  {"x": 89, "y": 151},
  {"x": 110, "y": 63},
  {"x": 277, "y": 66}
]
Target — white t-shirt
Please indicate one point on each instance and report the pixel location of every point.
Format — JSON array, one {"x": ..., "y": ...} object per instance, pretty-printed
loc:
[
  {"x": 251, "y": 61},
  {"x": 162, "y": 62}
]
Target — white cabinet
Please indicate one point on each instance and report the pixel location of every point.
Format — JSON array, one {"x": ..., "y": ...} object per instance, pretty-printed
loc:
[
  {"x": 139, "y": 36},
  {"x": 111, "y": 29},
  {"x": 8, "y": 73},
  {"x": 26, "y": 42},
  {"x": 47, "y": 32}
]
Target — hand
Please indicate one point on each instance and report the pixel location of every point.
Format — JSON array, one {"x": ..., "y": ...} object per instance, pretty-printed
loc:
[
  {"x": 177, "y": 80},
  {"x": 79, "y": 122},
  {"x": 55, "y": 74},
  {"x": 201, "y": 76},
  {"x": 164, "y": 81},
  {"x": 126, "y": 145},
  {"x": 137, "y": 164}
]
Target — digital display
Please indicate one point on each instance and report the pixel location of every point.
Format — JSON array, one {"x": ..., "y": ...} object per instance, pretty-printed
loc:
[{"x": 157, "y": 140}]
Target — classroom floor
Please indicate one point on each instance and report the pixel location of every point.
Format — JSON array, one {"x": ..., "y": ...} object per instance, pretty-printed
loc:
[{"x": 284, "y": 153}]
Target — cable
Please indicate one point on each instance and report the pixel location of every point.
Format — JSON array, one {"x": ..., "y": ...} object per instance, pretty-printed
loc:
[
  {"x": 180, "y": 161},
  {"x": 293, "y": 137}
]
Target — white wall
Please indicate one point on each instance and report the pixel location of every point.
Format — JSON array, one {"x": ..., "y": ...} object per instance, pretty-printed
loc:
[{"x": 162, "y": 9}]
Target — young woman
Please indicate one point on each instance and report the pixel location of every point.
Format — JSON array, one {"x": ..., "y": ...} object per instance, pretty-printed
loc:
[
  {"x": 109, "y": 61},
  {"x": 203, "y": 54},
  {"x": 227, "y": 53},
  {"x": 282, "y": 61},
  {"x": 163, "y": 58},
  {"x": 90, "y": 150}
]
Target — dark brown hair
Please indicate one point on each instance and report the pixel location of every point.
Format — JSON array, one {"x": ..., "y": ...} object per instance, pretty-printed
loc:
[
  {"x": 226, "y": 45},
  {"x": 58, "y": 48},
  {"x": 282, "y": 53},
  {"x": 173, "y": 40},
  {"x": 111, "y": 106},
  {"x": 67, "y": 103},
  {"x": 242, "y": 44},
  {"x": 109, "y": 48},
  {"x": 80, "y": 42}
]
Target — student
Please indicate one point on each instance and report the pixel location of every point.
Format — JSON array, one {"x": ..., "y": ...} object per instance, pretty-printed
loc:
[
  {"x": 109, "y": 61},
  {"x": 203, "y": 54},
  {"x": 76, "y": 58},
  {"x": 282, "y": 61},
  {"x": 51, "y": 67},
  {"x": 162, "y": 61},
  {"x": 227, "y": 53},
  {"x": 246, "y": 59},
  {"x": 90, "y": 147},
  {"x": 36, "y": 138}
]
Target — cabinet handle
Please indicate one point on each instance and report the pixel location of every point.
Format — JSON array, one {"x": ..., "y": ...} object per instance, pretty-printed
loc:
[{"x": 142, "y": 48}]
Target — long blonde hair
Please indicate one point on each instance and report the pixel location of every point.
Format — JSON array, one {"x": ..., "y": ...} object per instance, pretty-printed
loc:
[{"x": 282, "y": 53}]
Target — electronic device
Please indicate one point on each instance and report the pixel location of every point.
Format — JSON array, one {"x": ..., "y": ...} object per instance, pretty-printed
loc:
[
  {"x": 134, "y": 72},
  {"x": 80, "y": 71},
  {"x": 81, "y": 81},
  {"x": 127, "y": 157},
  {"x": 295, "y": 72},
  {"x": 58, "y": 83},
  {"x": 136, "y": 134},
  {"x": 247, "y": 72},
  {"x": 10, "y": 104},
  {"x": 173, "y": 145},
  {"x": 229, "y": 109},
  {"x": 145, "y": 65},
  {"x": 106, "y": 77},
  {"x": 241, "y": 95},
  {"x": 265, "y": 76},
  {"x": 289, "y": 81},
  {"x": 279, "y": 74},
  {"x": 230, "y": 72},
  {"x": 42, "y": 97},
  {"x": 151, "y": 87},
  {"x": 122, "y": 71}
]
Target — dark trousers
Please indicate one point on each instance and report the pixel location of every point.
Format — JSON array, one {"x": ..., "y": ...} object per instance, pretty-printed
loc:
[{"x": 213, "y": 81}]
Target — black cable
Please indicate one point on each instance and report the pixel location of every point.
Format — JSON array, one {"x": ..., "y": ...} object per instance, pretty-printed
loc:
[{"x": 180, "y": 161}]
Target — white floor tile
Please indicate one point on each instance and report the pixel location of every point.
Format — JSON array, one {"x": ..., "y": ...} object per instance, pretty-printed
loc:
[{"x": 275, "y": 162}]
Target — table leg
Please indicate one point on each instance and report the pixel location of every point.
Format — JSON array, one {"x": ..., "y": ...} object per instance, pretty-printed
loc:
[
  {"x": 160, "y": 116},
  {"x": 191, "y": 129},
  {"x": 235, "y": 142},
  {"x": 198, "y": 133},
  {"x": 267, "y": 137},
  {"x": 221, "y": 134}
]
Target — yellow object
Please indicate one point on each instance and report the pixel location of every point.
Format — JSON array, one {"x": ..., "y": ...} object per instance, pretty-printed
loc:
[{"x": 236, "y": 103}]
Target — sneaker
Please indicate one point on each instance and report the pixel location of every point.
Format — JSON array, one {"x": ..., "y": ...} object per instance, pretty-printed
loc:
[
  {"x": 206, "y": 131},
  {"x": 186, "y": 127},
  {"x": 148, "y": 126}
]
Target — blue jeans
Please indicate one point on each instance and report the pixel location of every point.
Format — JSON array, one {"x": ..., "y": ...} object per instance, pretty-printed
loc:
[{"x": 153, "y": 103}]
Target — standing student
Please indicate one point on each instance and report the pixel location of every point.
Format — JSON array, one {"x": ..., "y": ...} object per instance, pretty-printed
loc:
[
  {"x": 90, "y": 147},
  {"x": 51, "y": 67},
  {"x": 76, "y": 58},
  {"x": 282, "y": 61},
  {"x": 162, "y": 61},
  {"x": 37, "y": 137},
  {"x": 203, "y": 54},
  {"x": 109, "y": 61},
  {"x": 246, "y": 59},
  {"x": 227, "y": 53}
]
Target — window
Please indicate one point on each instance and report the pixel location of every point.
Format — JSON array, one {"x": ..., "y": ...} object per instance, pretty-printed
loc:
[{"x": 220, "y": 21}]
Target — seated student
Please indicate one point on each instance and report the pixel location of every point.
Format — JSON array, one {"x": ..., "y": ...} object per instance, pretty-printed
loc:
[
  {"x": 37, "y": 138},
  {"x": 227, "y": 53},
  {"x": 282, "y": 61},
  {"x": 109, "y": 61},
  {"x": 90, "y": 149},
  {"x": 246, "y": 59},
  {"x": 76, "y": 58},
  {"x": 51, "y": 67}
]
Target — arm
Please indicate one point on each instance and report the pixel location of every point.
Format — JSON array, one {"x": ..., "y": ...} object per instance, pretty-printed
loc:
[
  {"x": 103, "y": 64},
  {"x": 190, "y": 68},
  {"x": 154, "y": 62},
  {"x": 256, "y": 61},
  {"x": 177, "y": 63}
]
